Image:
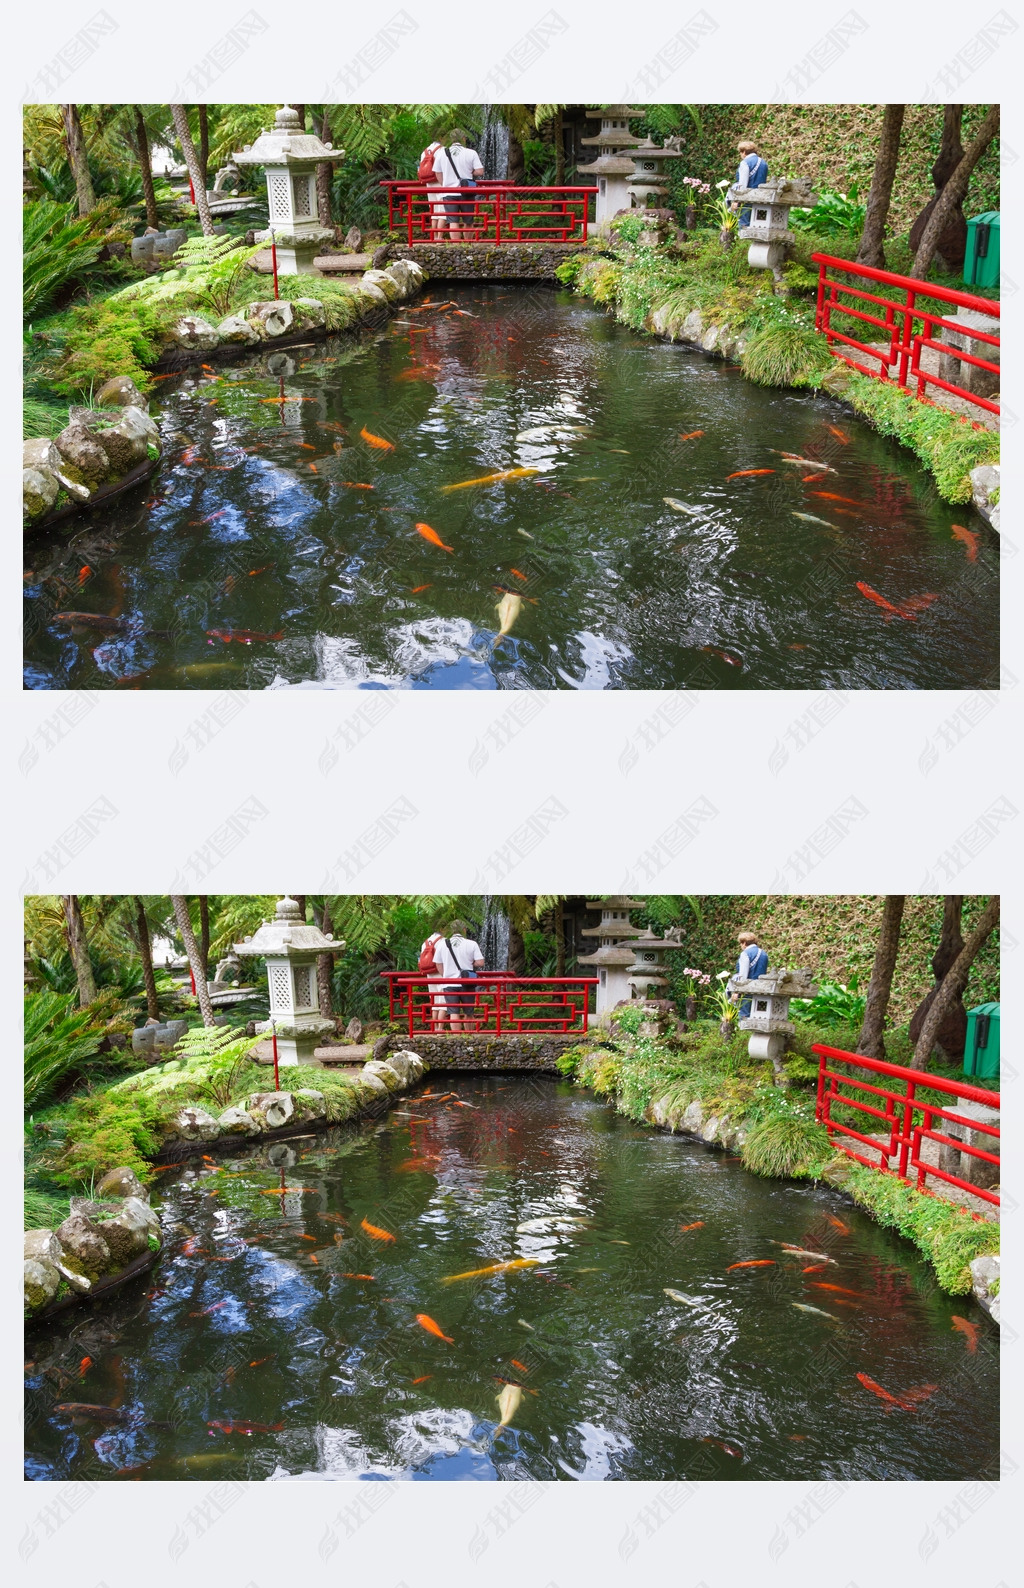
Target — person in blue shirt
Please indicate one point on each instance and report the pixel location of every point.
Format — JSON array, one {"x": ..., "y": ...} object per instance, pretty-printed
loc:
[
  {"x": 752, "y": 963},
  {"x": 753, "y": 170}
]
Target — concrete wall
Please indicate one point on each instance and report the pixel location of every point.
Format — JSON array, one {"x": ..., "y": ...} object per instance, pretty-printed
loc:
[
  {"x": 487, "y": 262},
  {"x": 481, "y": 1052}
]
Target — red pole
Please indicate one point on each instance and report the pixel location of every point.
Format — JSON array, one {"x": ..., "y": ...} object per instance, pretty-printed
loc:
[
  {"x": 273, "y": 260},
  {"x": 192, "y": 979},
  {"x": 191, "y": 191},
  {"x": 277, "y": 1077}
]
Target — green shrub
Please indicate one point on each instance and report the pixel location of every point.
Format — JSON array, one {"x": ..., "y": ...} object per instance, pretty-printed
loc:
[
  {"x": 786, "y": 353},
  {"x": 110, "y": 337},
  {"x": 786, "y": 1146},
  {"x": 59, "y": 1037},
  {"x": 947, "y": 1235},
  {"x": 834, "y": 215},
  {"x": 832, "y": 1006},
  {"x": 57, "y": 251},
  {"x": 109, "y": 1130}
]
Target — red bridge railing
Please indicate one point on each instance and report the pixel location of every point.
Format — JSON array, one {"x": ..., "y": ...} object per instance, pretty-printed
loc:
[
  {"x": 494, "y": 1001},
  {"x": 492, "y": 212},
  {"x": 896, "y": 1122},
  {"x": 907, "y": 326}
]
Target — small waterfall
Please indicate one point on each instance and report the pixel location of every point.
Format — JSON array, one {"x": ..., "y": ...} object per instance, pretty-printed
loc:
[
  {"x": 493, "y": 149},
  {"x": 494, "y": 935}
]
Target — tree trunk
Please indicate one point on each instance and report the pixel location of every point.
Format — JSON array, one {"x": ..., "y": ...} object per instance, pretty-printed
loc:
[
  {"x": 516, "y": 950},
  {"x": 146, "y": 955},
  {"x": 559, "y": 149},
  {"x": 953, "y": 1033},
  {"x": 204, "y": 932},
  {"x": 145, "y": 167},
  {"x": 324, "y": 177},
  {"x": 188, "y": 937},
  {"x": 204, "y": 146},
  {"x": 951, "y": 150},
  {"x": 75, "y": 139},
  {"x": 954, "y": 982},
  {"x": 872, "y": 1032},
  {"x": 300, "y": 900},
  {"x": 516, "y": 169},
  {"x": 871, "y": 251},
  {"x": 78, "y": 948},
  {"x": 951, "y": 938},
  {"x": 953, "y": 195},
  {"x": 325, "y": 969},
  {"x": 559, "y": 939},
  {"x": 188, "y": 149}
]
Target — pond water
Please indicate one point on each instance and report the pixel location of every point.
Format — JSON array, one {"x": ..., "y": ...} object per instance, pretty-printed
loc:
[
  {"x": 278, "y": 547},
  {"x": 278, "y": 1336}
]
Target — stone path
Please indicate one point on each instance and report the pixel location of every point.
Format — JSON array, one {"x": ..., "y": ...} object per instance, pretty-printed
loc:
[{"x": 943, "y": 399}]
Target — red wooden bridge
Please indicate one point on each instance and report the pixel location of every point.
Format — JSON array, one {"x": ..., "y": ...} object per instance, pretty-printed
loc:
[
  {"x": 495, "y": 1002},
  {"x": 490, "y": 212}
]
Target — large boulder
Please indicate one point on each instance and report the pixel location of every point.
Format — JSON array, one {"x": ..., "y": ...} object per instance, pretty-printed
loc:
[
  {"x": 195, "y": 1124},
  {"x": 131, "y": 1229},
  {"x": 194, "y": 333},
  {"x": 40, "y": 453},
  {"x": 39, "y": 490},
  {"x": 386, "y": 284},
  {"x": 369, "y": 1088},
  {"x": 984, "y": 485},
  {"x": 271, "y": 1110},
  {"x": 41, "y": 1282},
  {"x": 235, "y": 328},
  {"x": 370, "y": 299},
  {"x": 402, "y": 277},
  {"x": 85, "y": 1249},
  {"x": 309, "y": 312},
  {"x": 237, "y": 1122},
  {"x": 83, "y": 454},
  {"x": 121, "y": 1183},
  {"x": 127, "y": 443},
  {"x": 408, "y": 1066},
  {"x": 271, "y": 319},
  {"x": 417, "y": 274},
  {"x": 384, "y": 1072},
  {"x": 42, "y": 1244},
  {"x": 120, "y": 392}
]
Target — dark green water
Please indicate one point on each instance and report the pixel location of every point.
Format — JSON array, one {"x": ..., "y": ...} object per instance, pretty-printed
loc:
[
  {"x": 247, "y": 562},
  {"x": 628, "y": 1383}
]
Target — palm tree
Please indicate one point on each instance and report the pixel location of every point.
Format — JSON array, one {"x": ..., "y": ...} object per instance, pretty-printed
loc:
[
  {"x": 145, "y": 166},
  {"x": 78, "y": 948},
  {"x": 74, "y": 139},
  {"x": 195, "y": 172},
  {"x": 196, "y": 965}
]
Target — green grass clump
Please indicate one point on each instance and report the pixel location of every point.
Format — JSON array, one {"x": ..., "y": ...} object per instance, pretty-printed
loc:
[
  {"x": 947, "y": 1235},
  {"x": 785, "y": 354},
  {"x": 44, "y": 1210},
  {"x": 786, "y": 1147},
  {"x": 946, "y": 444}
]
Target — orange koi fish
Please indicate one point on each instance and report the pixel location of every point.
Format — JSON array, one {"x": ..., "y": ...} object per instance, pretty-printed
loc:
[
  {"x": 919, "y": 603},
  {"x": 523, "y": 576},
  {"x": 968, "y": 1330},
  {"x": 247, "y": 1428},
  {"x": 838, "y": 1224},
  {"x": 417, "y": 588},
  {"x": 375, "y": 1230},
  {"x": 254, "y": 571},
  {"x": 970, "y": 538},
  {"x": 491, "y": 479},
  {"x": 308, "y": 446},
  {"x": 423, "y": 1379},
  {"x": 876, "y": 1389},
  {"x": 730, "y": 1450},
  {"x": 692, "y": 435},
  {"x": 913, "y": 1397},
  {"x": 314, "y": 468},
  {"x": 358, "y": 1276},
  {"x": 307, "y": 1237},
  {"x": 356, "y": 485},
  {"x": 418, "y": 374},
  {"x": 287, "y": 399},
  {"x": 723, "y": 656},
  {"x": 880, "y": 601},
  {"x": 215, "y": 1308},
  {"x": 840, "y": 1290},
  {"x": 520, "y": 1365},
  {"x": 698, "y": 1226},
  {"x": 433, "y": 537},
  {"x": 261, "y": 1359},
  {"x": 376, "y": 441},
  {"x": 432, "y": 1327},
  {"x": 84, "y": 1365},
  {"x": 742, "y": 473},
  {"x": 314, "y": 1259},
  {"x": 754, "y": 1262},
  {"x": 330, "y": 424},
  {"x": 830, "y": 496},
  {"x": 840, "y": 435},
  {"x": 415, "y": 1163},
  {"x": 85, "y": 572},
  {"x": 495, "y": 1268},
  {"x": 189, "y": 455},
  {"x": 288, "y": 1190}
]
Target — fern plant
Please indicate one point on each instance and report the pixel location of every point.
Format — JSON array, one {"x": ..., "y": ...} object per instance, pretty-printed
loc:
[
  {"x": 57, "y": 1039},
  {"x": 222, "y": 1050},
  {"x": 207, "y": 269}
]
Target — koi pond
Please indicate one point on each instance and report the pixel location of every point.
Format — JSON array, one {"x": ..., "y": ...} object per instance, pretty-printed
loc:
[
  {"x": 373, "y": 511},
  {"x": 513, "y": 1281}
]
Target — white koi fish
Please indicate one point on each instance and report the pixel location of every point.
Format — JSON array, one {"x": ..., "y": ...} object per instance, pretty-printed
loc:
[
  {"x": 682, "y": 507},
  {"x": 685, "y": 1301}
]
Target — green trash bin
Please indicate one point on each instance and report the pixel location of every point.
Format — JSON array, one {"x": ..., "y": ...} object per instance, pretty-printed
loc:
[
  {"x": 981, "y": 1053},
  {"x": 981, "y": 261}
]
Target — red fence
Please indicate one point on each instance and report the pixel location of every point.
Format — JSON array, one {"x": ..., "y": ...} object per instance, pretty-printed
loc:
[
  {"x": 494, "y": 1001},
  {"x": 896, "y": 1123},
  {"x": 908, "y": 328},
  {"x": 492, "y": 212}
]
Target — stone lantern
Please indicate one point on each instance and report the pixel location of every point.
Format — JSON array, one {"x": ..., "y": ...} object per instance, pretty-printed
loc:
[
  {"x": 290, "y": 949},
  {"x": 768, "y": 1021},
  {"x": 290, "y": 158},
  {"x": 649, "y": 968},
  {"x": 649, "y": 181},
  {"x": 613, "y": 166},
  {"x": 612, "y": 959},
  {"x": 767, "y": 230}
]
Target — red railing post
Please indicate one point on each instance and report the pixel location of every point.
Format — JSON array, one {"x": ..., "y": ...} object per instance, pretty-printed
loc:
[{"x": 908, "y": 1117}]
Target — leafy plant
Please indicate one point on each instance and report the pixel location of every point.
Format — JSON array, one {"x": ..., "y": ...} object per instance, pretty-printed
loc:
[
  {"x": 58, "y": 1038},
  {"x": 207, "y": 271},
  {"x": 833, "y": 213},
  {"x": 948, "y": 1235},
  {"x": 786, "y": 1145},
  {"x": 223, "y": 1050},
  {"x": 718, "y": 209},
  {"x": 57, "y": 251},
  {"x": 785, "y": 353},
  {"x": 721, "y": 1001},
  {"x": 833, "y": 1005}
]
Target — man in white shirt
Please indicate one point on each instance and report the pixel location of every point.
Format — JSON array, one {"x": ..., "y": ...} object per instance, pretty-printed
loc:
[
  {"x": 457, "y": 166},
  {"x": 458, "y": 955}
]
